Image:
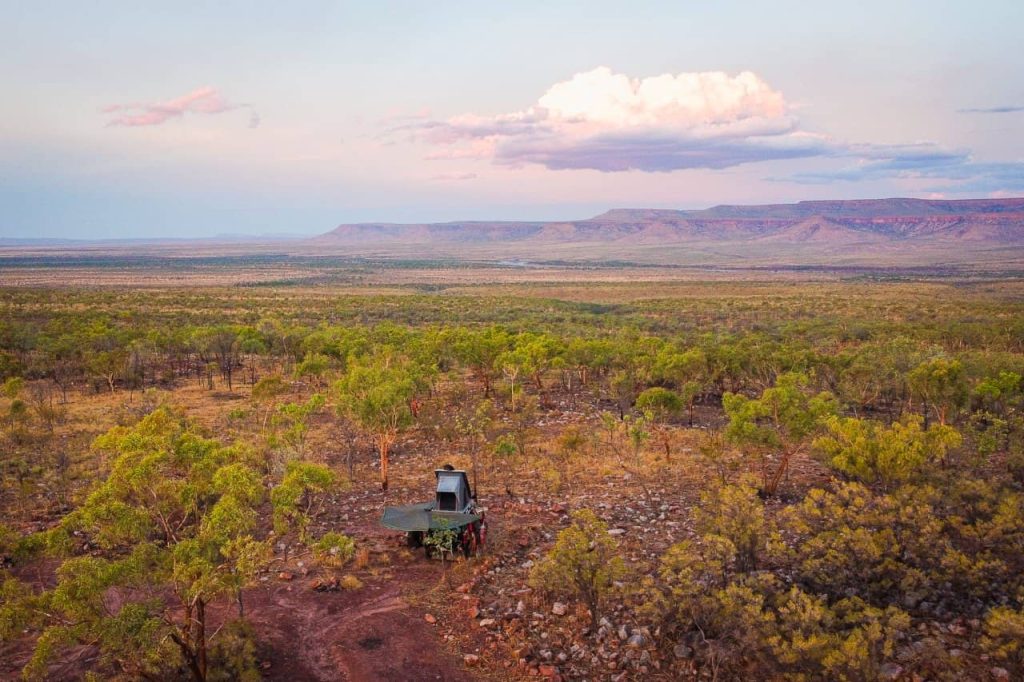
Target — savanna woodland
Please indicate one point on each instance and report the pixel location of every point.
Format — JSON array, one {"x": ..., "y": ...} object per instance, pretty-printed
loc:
[{"x": 729, "y": 480}]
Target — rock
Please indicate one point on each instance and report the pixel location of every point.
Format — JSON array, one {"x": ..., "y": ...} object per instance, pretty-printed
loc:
[
  {"x": 470, "y": 659},
  {"x": 999, "y": 673},
  {"x": 890, "y": 671},
  {"x": 528, "y": 564},
  {"x": 682, "y": 651},
  {"x": 520, "y": 607},
  {"x": 616, "y": 531},
  {"x": 430, "y": 618},
  {"x": 559, "y": 609},
  {"x": 636, "y": 641},
  {"x": 285, "y": 575},
  {"x": 623, "y": 633},
  {"x": 548, "y": 671},
  {"x": 325, "y": 585},
  {"x": 486, "y": 622}
]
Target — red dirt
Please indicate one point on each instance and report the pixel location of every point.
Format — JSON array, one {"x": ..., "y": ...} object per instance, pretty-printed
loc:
[{"x": 368, "y": 634}]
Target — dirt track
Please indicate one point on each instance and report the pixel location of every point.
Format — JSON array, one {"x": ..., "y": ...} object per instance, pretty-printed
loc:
[{"x": 370, "y": 634}]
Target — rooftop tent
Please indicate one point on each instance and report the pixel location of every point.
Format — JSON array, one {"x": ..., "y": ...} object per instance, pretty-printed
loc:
[{"x": 453, "y": 492}]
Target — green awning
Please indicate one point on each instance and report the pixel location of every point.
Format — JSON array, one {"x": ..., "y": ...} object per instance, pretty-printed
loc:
[{"x": 421, "y": 517}]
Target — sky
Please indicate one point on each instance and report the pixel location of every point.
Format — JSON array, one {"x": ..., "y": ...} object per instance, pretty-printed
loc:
[{"x": 189, "y": 119}]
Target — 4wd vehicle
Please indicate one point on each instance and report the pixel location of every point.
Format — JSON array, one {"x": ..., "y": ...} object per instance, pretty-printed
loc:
[{"x": 453, "y": 508}]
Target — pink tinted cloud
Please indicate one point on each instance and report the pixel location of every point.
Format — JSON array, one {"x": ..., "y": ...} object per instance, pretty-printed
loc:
[
  {"x": 205, "y": 100},
  {"x": 607, "y": 121}
]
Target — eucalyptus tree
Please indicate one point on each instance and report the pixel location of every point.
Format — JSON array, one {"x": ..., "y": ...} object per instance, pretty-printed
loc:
[
  {"x": 375, "y": 393},
  {"x": 779, "y": 425},
  {"x": 176, "y": 525}
]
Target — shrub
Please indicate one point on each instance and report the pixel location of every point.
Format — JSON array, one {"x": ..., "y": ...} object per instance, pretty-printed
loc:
[
  {"x": 870, "y": 452},
  {"x": 735, "y": 514},
  {"x": 584, "y": 563},
  {"x": 1004, "y": 637},
  {"x": 334, "y": 549}
]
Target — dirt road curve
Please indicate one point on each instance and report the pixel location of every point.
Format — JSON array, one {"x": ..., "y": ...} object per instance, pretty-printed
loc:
[{"x": 370, "y": 634}]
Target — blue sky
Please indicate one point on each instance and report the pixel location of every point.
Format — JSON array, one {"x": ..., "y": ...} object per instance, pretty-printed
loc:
[{"x": 134, "y": 120}]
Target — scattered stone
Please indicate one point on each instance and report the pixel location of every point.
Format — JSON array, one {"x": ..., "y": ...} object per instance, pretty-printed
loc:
[
  {"x": 682, "y": 651},
  {"x": 636, "y": 641},
  {"x": 558, "y": 608},
  {"x": 486, "y": 622},
  {"x": 430, "y": 618},
  {"x": 285, "y": 575},
  {"x": 325, "y": 585},
  {"x": 623, "y": 633},
  {"x": 470, "y": 659},
  {"x": 999, "y": 673},
  {"x": 548, "y": 671},
  {"x": 890, "y": 671},
  {"x": 616, "y": 531}
]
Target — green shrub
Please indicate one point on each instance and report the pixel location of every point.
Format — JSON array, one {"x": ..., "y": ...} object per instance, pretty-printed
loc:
[
  {"x": 334, "y": 549},
  {"x": 584, "y": 563}
]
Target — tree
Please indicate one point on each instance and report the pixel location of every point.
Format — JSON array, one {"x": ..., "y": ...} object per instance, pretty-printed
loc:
[
  {"x": 479, "y": 351},
  {"x": 939, "y": 384},
  {"x": 715, "y": 451},
  {"x": 570, "y": 445},
  {"x": 375, "y": 394},
  {"x": 176, "y": 519},
  {"x": 298, "y": 498},
  {"x": 294, "y": 420},
  {"x": 584, "y": 563},
  {"x": 265, "y": 394},
  {"x": 687, "y": 371},
  {"x": 476, "y": 424},
  {"x": 108, "y": 364},
  {"x": 314, "y": 366},
  {"x": 221, "y": 344},
  {"x": 779, "y": 425},
  {"x": 659, "y": 405},
  {"x": 625, "y": 439}
]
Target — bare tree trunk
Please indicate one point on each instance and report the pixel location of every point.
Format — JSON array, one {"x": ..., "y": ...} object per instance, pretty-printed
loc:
[{"x": 383, "y": 445}]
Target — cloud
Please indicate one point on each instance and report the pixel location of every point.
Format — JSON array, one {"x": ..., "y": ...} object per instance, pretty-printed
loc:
[
  {"x": 922, "y": 162},
  {"x": 204, "y": 100},
  {"x": 606, "y": 121},
  {"x": 992, "y": 110}
]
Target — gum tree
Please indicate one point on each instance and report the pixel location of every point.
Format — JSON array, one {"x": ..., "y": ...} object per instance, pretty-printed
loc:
[
  {"x": 176, "y": 525},
  {"x": 375, "y": 394},
  {"x": 779, "y": 425}
]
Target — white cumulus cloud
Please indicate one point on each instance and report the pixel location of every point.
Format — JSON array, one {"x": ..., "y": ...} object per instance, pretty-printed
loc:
[{"x": 610, "y": 122}]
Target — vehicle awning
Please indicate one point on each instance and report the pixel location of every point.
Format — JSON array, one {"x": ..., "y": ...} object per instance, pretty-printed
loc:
[{"x": 422, "y": 517}]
